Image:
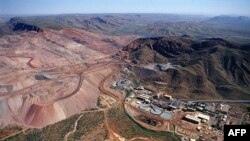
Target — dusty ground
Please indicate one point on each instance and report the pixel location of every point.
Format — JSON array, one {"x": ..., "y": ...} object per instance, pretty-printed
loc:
[{"x": 49, "y": 76}]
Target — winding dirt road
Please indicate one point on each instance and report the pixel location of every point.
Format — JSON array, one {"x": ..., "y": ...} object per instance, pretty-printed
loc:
[
  {"x": 21, "y": 131},
  {"x": 74, "y": 129},
  {"x": 81, "y": 72}
]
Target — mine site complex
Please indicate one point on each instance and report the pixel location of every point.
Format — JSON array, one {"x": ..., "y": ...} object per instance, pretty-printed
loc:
[
  {"x": 39, "y": 91},
  {"x": 194, "y": 120},
  {"x": 123, "y": 77}
]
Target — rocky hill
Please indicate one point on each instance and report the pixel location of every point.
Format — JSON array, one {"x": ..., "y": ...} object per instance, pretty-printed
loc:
[
  {"x": 19, "y": 25},
  {"x": 210, "y": 68}
]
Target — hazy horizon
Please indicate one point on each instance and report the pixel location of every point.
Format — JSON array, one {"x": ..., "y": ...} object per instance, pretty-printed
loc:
[
  {"x": 186, "y": 7},
  {"x": 31, "y": 15}
]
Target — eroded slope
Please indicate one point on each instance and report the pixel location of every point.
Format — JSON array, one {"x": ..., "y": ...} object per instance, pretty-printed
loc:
[{"x": 48, "y": 76}]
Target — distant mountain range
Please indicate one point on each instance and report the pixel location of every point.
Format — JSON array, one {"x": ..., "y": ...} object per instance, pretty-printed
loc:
[
  {"x": 210, "y": 68},
  {"x": 147, "y": 25},
  {"x": 230, "y": 19}
]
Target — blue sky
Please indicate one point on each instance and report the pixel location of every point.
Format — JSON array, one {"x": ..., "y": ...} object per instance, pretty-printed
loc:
[{"x": 200, "y": 7}]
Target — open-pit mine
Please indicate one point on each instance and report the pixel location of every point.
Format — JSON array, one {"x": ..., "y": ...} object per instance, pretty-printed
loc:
[
  {"x": 123, "y": 77},
  {"x": 48, "y": 76}
]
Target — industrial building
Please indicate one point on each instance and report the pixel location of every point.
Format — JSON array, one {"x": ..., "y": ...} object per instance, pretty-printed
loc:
[
  {"x": 175, "y": 104},
  {"x": 167, "y": 97},
  {"x": 223, "y": 108},
  {"x": 192, "y": 119},
  {"x": 204, "y": 118},
  {"x": 144, "y": 97}
]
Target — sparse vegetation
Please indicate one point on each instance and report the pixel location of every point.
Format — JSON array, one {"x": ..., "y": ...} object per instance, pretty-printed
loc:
[
  {"x": 199, "y": 76},
  {"x": 126, "y": 127},
  {"x": 148, "y": 120},
  {"x": 91, "y": 125},
  {"x": 54, "y": 132},
  {"x": 50, "y": 62},
  {"x": 99, "y": 102},
  {"x": 9, "y": 130}
]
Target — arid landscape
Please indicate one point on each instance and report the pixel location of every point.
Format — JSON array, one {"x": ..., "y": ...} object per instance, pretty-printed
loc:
[
  {"x": 50, "y": 70},
  {"x": 211, "y": 68},
  {"x": 123, "y": 77}
]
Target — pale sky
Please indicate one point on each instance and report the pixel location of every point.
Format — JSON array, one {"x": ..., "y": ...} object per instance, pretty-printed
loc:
[{"x": 199, "y": 7}]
